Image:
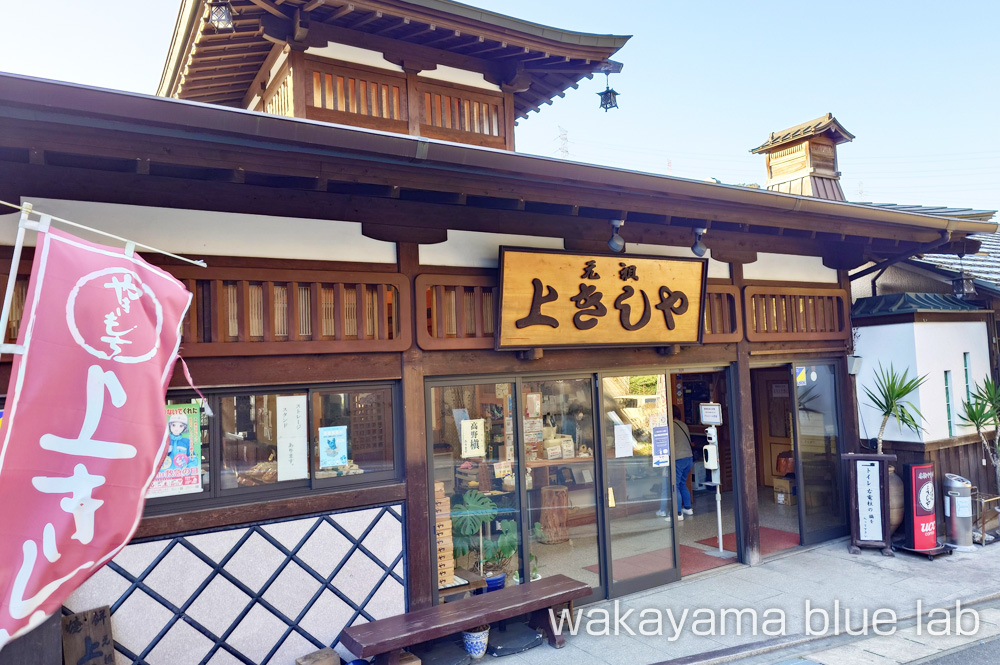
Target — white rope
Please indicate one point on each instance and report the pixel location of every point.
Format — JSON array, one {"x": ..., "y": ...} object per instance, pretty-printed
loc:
[{"x": 128, "y": 243}]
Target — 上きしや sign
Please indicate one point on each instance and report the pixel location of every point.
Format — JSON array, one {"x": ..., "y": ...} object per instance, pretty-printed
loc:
[
  {"x": 561, "y": 299},
  {"x": 84, "y": 425}
]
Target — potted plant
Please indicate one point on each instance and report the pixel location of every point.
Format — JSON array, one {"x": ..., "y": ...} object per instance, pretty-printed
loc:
[
  {"x": 889, "y": 399},
  {"x": 492, "y": 553},
  {"x": 983, "y": 412},
  {"x": 475, "y": 640}
]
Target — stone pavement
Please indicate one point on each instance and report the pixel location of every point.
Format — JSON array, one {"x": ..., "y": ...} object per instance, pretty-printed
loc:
[{"x": 773, "y": 599}]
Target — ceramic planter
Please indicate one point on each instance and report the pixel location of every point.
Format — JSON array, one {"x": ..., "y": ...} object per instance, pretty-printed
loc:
[{"x": 475, "y": 642}]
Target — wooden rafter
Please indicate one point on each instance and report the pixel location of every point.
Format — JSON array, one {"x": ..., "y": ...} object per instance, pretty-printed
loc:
[
  {"x": 400, "y": 23},
  {"x": 269, "y": 7},
  {"x": 341, "y": 11},
  {"x": 365, "y": 20}
]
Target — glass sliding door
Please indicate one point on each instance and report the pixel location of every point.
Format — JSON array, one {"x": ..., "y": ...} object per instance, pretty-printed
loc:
[
  {"x": 822, "y": 513},
  {"x": 477, "y": 509},
  {"x": 641, "y": 544},
  {"x": 561, "y": 479}
]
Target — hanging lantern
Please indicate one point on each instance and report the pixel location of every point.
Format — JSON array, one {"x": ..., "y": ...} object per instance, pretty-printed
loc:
[
  {"x": 220, "y": 15},
  {"x": 609, "y": 98},
  {"x": 964, "y": 285}
]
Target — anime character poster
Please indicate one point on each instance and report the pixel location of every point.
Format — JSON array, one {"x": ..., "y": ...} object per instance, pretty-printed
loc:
[{"x": 180, "y": 472}]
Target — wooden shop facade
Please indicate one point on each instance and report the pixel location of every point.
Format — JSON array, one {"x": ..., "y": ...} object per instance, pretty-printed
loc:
[{"x": 439, "y": 314}]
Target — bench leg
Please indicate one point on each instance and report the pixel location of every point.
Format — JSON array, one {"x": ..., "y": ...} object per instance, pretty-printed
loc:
[
  {"x": 541, "y": 619},
  {"x": 390, "y": 658}
]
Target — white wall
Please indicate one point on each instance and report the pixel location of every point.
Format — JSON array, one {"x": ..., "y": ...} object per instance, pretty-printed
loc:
[
  {"x": 789, "y": 268},
  {"x": 893, "y": 345},
  {"x": 923, "y": 348},
  {"x": 940, "y": 347},
  {"x": 369, "y": 58},
  {"x": 715, "y": 268},
  {"x": 202, "y": 233},
  {"x": 478, "y": 250}
]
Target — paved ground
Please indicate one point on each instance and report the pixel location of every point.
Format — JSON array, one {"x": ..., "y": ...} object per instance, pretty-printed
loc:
[{"x": 776, "y": 597}]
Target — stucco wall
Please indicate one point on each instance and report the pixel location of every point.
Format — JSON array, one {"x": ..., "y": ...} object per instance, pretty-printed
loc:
[
  {"x": 923, "y": 348},
  {"x": 789, "y": 268},
  {"x": 204, "y": 233}
]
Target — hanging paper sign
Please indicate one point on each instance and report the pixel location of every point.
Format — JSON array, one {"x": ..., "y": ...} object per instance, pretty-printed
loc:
[
  {"x": 623, "y": 441},
  {"x": 800, "y": 376},
  {"x": 332, "y": 446},
  {"x": 564, "y": 299},
  {"x": 659, "y": 425},
  {"x": 501, "y": 469},
  {"x": 180, "y": 472},
  {"x": 474, "y": 438},
  {"x": 85, "y": 429},
  {"x": 293, "y": 440}
]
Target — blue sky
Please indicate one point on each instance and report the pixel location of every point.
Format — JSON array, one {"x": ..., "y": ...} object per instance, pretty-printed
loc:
[{"x": 704, "y": 82}]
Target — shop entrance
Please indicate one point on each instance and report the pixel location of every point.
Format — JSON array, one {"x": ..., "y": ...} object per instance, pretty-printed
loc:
[{"x": 798, "y": 444}]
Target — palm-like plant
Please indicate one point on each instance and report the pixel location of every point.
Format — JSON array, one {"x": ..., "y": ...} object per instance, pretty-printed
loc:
[
  {"x": 889, "y": 398},
  {"x": 983, "y": 412}
]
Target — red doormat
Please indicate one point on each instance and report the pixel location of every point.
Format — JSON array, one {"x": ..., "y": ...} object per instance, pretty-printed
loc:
[
  {"x": 771, "y": 541},
  {"x": 693, "y": 560}
]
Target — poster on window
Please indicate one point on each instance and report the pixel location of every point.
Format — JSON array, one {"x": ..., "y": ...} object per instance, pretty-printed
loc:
[
  {"x": 180, "y": 472},
  {"x": 474, "y": 438},
  {"x": 659, "y": 426},
  {"x": 332, "y": 446},
  {"x": 293, "y": 440}
]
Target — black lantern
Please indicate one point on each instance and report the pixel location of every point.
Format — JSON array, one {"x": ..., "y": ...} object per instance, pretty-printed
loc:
[
  {"x": 964, "y": 285},
  {"x": 220, "y": 15},
  {"x": 609, "y": 98}
]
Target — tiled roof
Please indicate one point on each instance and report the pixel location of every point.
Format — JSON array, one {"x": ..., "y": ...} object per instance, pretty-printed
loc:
[
  {"x": 908, "y": 303},
  {"x": 941, "y": 211},
  {"x": 826, "y": 123},
  {"x": 984, "y": 265}
]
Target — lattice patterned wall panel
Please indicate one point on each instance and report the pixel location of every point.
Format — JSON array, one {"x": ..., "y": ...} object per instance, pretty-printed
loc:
[{"x": 264, "y": 594}]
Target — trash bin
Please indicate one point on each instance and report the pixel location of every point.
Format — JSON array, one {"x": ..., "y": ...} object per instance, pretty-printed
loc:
[{"x": 958, "y": 512}]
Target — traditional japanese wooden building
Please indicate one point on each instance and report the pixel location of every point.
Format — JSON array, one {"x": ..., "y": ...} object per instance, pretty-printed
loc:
[{"x": 347, "y": 171}]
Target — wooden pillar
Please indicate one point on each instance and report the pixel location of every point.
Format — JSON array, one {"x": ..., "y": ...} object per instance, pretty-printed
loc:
[
  {"x": 42, "y": 645},
  {"x": 418, "y": 527},
  {"x": 849, "y": 386},
  {"x": 414, "y": 104},
  {"x": 744, "y": 449}
]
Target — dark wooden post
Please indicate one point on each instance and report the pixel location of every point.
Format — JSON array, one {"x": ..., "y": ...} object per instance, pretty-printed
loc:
[
  {"x": 418, "y": 527},
  {"x": 745, "y": 449},
  {"x": 849, "y": 386}
]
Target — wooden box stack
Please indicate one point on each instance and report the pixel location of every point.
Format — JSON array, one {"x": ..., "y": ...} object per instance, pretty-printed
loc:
[{"x": 442, "y": 529}]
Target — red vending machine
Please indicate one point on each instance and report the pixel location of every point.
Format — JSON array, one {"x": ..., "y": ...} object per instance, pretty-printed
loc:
[{"x": 920, "y": 518}]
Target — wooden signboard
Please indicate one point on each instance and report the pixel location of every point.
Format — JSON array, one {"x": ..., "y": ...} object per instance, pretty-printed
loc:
[
  {"x": 868, "y": 487},
  {"x": 559, "y": 299},
  {"x": 87, "y": 638}
]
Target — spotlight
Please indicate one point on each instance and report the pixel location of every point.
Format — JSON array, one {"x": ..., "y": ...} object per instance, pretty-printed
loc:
[
  {"x": 699, "y": 248},
  {"x": 616, "y": 243}
]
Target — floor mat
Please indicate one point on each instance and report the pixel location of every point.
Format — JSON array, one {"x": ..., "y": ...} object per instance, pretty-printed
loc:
[
  {"x": 693, "y": 560},
  {"x": 771, "y": 541}
]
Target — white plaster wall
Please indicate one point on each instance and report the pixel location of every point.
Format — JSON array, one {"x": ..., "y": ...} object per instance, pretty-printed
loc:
[
  {"x": 474, "y": 249},
  {"x": 939, "y": 348},
  {"x": 789, "y": 268},
  {"x": 715, "y": 268},
  {"x": 202, "y": 233},
  {"x": 459, "y": 76},
  {"x": 359, "y": 56},
  {"x": 893, "y": 345}
]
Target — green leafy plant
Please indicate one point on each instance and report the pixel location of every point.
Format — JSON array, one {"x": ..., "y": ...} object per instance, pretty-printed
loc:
[
  {"x": 492, "y": 553},
  {"x": 983, "y": 413},
  {"x": 498, "y": 553},
  {"x": 889, "y": 398}
]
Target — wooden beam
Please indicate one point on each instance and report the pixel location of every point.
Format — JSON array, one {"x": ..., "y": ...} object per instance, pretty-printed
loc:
[
  {"x": 344, "y": 10},
  {"x": 261, "y": 80},
  {"x": 313, "y": 4},
  {"x": 400, "y": 23},
  {"x": 744, "y": 447},
  {"x": 372, "y": 16},
  {"x": 269, "y": 7}
]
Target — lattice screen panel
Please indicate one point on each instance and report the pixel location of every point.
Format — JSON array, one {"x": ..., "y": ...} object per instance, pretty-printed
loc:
[{"x": 263, "y": 595}]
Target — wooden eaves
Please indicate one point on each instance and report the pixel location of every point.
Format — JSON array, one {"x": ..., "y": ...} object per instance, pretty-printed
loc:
[
  {"x": 72, "y": 142},
  {"x": 537, "y": 63}
]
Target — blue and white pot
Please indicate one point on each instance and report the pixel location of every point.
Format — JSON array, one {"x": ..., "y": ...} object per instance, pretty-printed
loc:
[{"x": 475, "y": 642}]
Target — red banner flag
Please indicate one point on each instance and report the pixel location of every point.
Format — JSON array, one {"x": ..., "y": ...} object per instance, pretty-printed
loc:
[{"x": 84, "y": 427}]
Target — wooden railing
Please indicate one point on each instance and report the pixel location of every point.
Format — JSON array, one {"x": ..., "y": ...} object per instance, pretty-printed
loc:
[
  {"x": 453, "y": 112},
  {"x": 279, "y": 97},
  {"x": 723, "y": 318},
  {"x": 355, "y": 94},
  {"x": 459, "y": 314},
  {"x": 779, "y": 314},
  {"x": 265, "y": 312}
]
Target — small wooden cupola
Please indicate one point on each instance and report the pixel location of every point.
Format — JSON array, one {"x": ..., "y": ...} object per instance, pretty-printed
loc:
[{"x": 803, "y": 159}]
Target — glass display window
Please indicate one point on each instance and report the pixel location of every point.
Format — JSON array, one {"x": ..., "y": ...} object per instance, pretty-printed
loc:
[
  {"x": 352, "y": 432},
  {"x": 477, "y": 508}
]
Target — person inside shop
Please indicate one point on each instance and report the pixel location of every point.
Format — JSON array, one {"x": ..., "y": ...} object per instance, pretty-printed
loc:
[
  {"x": 573, "y": 425},
  {"x": 683, "y": 461}
]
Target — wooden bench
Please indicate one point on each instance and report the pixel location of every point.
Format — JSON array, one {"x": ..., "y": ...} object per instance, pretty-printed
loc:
[{"x": 385, "y": 638}]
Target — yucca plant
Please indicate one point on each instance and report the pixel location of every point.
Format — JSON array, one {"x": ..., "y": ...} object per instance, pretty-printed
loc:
[
  {"x": 983, "y": 412},
  {"x": 889, "y": 398}
]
